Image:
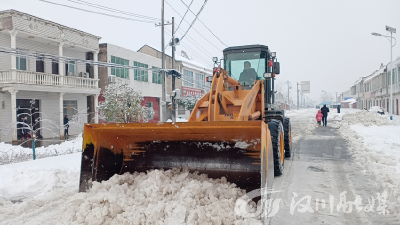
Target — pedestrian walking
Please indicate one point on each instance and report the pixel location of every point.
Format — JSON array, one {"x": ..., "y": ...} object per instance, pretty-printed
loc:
[
  {"x": 319, "y": 117},
  {"x": 324, "y": 111},
  {"x": 338, "y": 109},
  {"x": 66, "y": 125}
]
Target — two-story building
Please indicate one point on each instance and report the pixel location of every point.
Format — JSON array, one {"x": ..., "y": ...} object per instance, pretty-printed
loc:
[
  {"x": 50, "y": 79},
  {"x": 193, "y": 78},
  {"x": 147, "y": 82},
  {"x": 193, "y": 81},
  {"x": 375, "y": 89}
]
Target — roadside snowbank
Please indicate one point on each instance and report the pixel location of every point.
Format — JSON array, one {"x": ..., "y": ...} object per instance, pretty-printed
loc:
[
  {"x": 12, "y": 154},
  {"x": 373, "y": 141},
  {"x": 45, "y": 191}
]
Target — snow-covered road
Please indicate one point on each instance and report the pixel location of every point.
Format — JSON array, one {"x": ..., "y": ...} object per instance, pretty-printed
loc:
[{"x": 321, "y": 182}]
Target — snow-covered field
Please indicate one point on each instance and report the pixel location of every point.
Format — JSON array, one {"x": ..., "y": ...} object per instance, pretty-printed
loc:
[
  {"x": 375, "y": 144},
  {"x": 12, "y": 154}
]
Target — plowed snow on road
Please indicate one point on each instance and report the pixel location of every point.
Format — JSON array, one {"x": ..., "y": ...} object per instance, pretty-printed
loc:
[{"x": 45, "y": 191}]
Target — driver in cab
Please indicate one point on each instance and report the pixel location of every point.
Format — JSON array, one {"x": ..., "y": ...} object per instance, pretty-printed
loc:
[{"x": 248, "y": 76}]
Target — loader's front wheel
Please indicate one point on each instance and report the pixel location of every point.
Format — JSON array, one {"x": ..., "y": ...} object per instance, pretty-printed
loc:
[
  {"x": 277, "y": 138},
  {"x": 287, "y": 128}
]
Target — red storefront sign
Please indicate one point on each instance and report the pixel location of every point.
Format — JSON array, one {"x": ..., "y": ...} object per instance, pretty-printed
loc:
[{"x": 191, "y": 91}]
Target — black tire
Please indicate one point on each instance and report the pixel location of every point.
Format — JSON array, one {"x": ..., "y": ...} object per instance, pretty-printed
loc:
[
  {"x": 276, "y": 129},
  {"x": 287, "y": 130}
]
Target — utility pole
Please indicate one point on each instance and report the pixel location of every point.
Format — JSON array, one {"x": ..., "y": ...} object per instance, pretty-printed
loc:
[
  {"x": 288, "y": 87},
  {"x": 392, "y": 30},
  {"x": 163, "y": 97},
  {"x": 173, "y": 77},
  {"x": 297, "y": 91},
  {"x": 336, "y": 98}
]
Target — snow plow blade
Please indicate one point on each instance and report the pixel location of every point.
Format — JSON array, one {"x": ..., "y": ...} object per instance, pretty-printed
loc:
[{"x": 235, "y": 150}]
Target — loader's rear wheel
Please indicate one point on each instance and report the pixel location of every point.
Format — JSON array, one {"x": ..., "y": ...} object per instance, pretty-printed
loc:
[
  {"x": 287, "y": 129},
  {"x": 277, "y": 138}
]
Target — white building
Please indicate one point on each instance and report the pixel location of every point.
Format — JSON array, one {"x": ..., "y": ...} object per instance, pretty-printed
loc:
[
  {"x": 193, "y": 81},
  {"x": 146, "y": 82},
  {"x": 58, "y": 88}
]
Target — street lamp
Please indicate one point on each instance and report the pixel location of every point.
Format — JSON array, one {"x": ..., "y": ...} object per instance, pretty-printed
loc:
[{"x": 391, "y": 30}]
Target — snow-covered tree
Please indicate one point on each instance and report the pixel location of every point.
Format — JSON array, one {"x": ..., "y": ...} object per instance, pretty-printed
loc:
[
  {"x": 326, "y": 97},
  {"x": 188, "y": 102},
  {"x": 122, "y": 104}
]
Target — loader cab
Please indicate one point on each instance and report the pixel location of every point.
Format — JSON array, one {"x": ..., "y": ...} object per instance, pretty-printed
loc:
[{"x": 247, "y": 64}]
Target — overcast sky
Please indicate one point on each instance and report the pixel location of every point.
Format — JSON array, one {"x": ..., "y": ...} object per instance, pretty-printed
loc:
[{"x": 328, "y": 43}]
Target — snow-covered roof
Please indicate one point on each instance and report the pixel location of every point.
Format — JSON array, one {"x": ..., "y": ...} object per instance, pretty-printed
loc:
[
  {"x": 358, "y": 81},
  {"x": 193, "y": 64},
  {"x": 351, "y": 100},
  {"x": 374, "y": 74}
]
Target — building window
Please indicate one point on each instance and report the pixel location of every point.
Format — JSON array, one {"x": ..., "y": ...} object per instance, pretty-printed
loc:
[
  {"x": 149, "y": 109},
  {"x": 156, "y": 78},
  {"x": 70, "y": 108},
  {"x": 394, "y": 80},
  {"x": 181, "y": 110},
  {"x": 187, "y": 78},
  {"x": 120, "y": 72},
  {"x": 141, "y": 75},
  {"x": 200, "y": 80},
  {"x": 21, "y": 63},
  {"x": 389, "y": 78},
  {"x": 70, "y": 68}
]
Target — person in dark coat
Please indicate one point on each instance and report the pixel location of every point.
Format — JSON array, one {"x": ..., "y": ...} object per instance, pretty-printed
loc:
[
  {"x": 66, "y": 125},
  {"x": 338, "y": 109},
  {"x": 324, "y": 111},
  {"x": 26, "y": 129},
  {"x": 249, "y": 75},
  {"x": 20, "y": 128}
]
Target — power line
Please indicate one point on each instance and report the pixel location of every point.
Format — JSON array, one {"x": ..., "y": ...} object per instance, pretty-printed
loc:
[
  {"x": 184, "y": 15},
  {"x": 100, "y": 13},
  {"x": 36, "y": 55},
  {"x": 197, "y": 16},
  {"x": 202, "y": 49},
  {"x": 194, "y": 52},
  {"x": 205, "y": 25},
  {"x": 113, "y": 10},
  {"x": 193, "y": 27}
]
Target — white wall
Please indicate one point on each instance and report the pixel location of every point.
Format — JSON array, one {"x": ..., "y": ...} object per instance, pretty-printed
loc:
[
  {"x": 147, "y": 89},
  {"x": 5, "y": 60}
]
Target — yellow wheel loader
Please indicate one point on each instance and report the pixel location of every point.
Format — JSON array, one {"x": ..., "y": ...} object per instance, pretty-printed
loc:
[{"x": 233, "y": 131}]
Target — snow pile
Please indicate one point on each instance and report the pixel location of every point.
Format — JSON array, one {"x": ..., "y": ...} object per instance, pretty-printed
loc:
[
  {"x": 373, "y": 141},
  {"x": 45, "y": 191},
  {"x": 13, "y": 154},
  {"x": 158, "y": 197},
  {"x": 366, "y": 118}
]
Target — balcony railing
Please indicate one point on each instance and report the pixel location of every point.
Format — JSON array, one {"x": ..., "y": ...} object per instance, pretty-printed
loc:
[{"x": 28, "y": 77}]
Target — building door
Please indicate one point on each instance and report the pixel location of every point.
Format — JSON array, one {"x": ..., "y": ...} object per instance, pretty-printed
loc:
[
  {"x": 40, "y": 64},
  {"x": 29, "y": 110}
]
